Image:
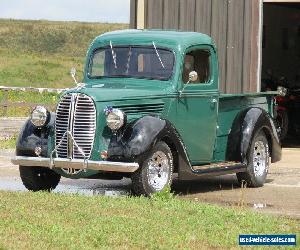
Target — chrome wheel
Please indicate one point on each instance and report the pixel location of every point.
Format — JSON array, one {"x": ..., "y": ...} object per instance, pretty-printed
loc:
[
  {"x": 257, "y": 161},
  {"x": 260, "y": 158},
  {"x": 155, "y": 171},
  {"x": 158, "y": 170}
]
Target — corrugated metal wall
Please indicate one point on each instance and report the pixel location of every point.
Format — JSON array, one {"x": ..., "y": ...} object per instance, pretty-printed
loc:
[{"x": 233, "y": 24}]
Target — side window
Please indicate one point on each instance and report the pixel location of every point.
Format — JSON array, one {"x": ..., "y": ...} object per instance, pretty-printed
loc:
[
  {"x": 97, "y": 68},
  {"x": 199, "y": 61}
]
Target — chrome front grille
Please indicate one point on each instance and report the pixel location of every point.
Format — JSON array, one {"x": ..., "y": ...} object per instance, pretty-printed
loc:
[{"x": 75, "y": 113}]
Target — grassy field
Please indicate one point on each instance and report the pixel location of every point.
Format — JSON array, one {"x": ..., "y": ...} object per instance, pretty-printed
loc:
[
  {"x": 9, "y": 143},
  {"x": 57, "y": 221},
  {"x": 41, "y": 53},
  {"x": 47, "y": 99}
]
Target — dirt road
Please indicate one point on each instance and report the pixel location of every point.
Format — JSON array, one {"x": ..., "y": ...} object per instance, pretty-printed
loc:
[
  {"x": 10, "y": 126},
  {"x": 280, "y": 195}
]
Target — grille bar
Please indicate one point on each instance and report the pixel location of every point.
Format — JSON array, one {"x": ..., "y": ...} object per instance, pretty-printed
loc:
[{"x": 76, "y": 113}]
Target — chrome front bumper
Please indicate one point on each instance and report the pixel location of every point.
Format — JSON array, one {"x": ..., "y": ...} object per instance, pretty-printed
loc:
[{"x": 124, "y": 167}]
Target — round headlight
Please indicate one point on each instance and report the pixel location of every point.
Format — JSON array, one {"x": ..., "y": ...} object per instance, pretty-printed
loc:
[
  {"x": 115, "y": 119},
  {"x": 39, "y": 116}
]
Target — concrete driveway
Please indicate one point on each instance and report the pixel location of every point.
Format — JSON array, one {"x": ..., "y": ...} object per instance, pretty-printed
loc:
[{"x": 280, "y": 195}]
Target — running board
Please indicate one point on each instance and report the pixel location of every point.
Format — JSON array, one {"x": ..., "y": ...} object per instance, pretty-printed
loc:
[{"x": 219, "y": 168}]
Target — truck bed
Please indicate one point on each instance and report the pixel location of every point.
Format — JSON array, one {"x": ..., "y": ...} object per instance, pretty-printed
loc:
[{"x": 229, "y": 107}]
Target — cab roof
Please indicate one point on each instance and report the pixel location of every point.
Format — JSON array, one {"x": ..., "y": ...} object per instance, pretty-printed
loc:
[{"x": 163, "y": 38}]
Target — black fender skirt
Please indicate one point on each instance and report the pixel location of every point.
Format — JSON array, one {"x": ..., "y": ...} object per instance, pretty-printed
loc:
[
  {"x": 245, "y": 126},
  {"x": 31, "y": 137}
]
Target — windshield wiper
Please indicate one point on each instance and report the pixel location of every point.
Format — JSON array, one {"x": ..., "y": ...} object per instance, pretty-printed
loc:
[
  {"x": 158, "y": 55},
  {"x": 114, "y": 56}
]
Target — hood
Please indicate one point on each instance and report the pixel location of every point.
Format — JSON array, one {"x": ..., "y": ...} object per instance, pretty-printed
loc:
[{"x": 107, "y": 92}]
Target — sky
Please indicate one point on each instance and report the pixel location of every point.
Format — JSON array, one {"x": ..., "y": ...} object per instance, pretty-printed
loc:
[{"x": 112, "y": 11}]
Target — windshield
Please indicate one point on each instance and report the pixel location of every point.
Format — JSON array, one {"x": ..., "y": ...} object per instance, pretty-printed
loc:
[{"x": 136, "y": 62}]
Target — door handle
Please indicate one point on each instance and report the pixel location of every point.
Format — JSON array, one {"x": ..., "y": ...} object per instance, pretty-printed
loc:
[{"x": 213, "y": 102}]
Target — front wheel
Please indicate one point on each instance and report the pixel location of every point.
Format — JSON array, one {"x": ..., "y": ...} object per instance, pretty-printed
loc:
[
  {"x": 258, "y": 162},
  {"x": 39, "y": 178},
  {"x": 155, "y": 172}
]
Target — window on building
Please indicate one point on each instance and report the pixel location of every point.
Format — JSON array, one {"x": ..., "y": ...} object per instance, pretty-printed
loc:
[{"x": 199, "y": 61}]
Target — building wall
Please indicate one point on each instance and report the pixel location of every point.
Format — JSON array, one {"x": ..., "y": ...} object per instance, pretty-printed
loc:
[{"x": 233, "y": 24}]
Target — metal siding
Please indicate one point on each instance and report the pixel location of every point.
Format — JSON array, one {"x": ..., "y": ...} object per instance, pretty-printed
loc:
[
  {"x": 154, "y": 17},
  {"x": 171, "y": 14},
  {"x": 203, "y": 16},
  {"x": 246, "y": 84},
  {"x": 233, "y": 24},
  {"x": 133, "y": 11},
  {"x": 187, "y": 15},
  {"x": 235, "y": 38},
  {"x": 255, "y": 58},
  {"x": 219, "y": 34}
]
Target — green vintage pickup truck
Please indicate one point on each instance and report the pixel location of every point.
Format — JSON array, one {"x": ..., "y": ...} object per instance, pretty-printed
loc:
[{"x": 149, "y": 106}]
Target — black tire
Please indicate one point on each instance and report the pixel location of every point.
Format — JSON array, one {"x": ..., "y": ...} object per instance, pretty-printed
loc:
[
  {"x": 39, "y": 178},
  {"x": 257, "y": 169},
  {"x": 142, "y": 183},
  {"x": 283, "y": 122}
]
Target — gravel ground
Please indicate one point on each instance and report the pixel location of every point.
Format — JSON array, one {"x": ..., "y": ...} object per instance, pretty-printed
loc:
[{"x": 9, "y": 126}]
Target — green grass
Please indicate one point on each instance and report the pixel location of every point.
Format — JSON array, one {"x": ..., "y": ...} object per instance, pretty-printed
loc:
[
  {"x": 41, "y": 53},
  {"x": 57, "y": 221},
  {"x": 34, "y": 70},
  {"x": 49, "y": 100},
  {"x": 9, "y": 143}
]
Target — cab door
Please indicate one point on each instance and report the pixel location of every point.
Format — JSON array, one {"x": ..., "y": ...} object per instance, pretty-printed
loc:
[{"x": 196, "y": 108}]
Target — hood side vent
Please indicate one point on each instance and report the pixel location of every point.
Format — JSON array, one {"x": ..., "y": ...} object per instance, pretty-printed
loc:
[{"x": 145, "y": 109}]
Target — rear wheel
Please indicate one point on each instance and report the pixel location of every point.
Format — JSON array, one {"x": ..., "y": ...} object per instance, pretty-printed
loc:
[
  {"x": 155, "y": 172},
  {"x": 258, "y": 162},
  {"x": 39, "y": 178}
]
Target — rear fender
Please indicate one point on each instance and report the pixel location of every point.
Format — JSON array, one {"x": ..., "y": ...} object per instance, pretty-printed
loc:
[{"x": 245, "y": 126}]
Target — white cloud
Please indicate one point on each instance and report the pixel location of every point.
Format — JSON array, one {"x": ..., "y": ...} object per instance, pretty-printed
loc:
[{"x": 67, "y": 10}]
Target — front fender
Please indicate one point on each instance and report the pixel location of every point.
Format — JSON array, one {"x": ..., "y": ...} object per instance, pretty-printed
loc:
[
  {"x": 245, "y": 126},
  {"x": 140, "y": 136},
  {"x": 31, "y": 137},
  {"x": 137, "y": 138}
]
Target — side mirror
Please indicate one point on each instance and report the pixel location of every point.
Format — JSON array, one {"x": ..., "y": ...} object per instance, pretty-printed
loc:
[
  {"x": 73, "y": 74},
  {"x": 193, "y": 76}
]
